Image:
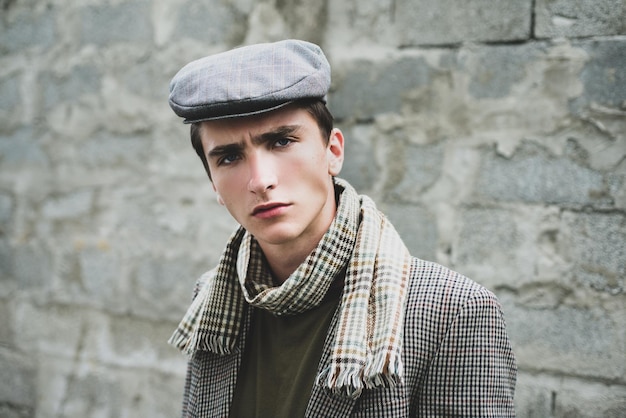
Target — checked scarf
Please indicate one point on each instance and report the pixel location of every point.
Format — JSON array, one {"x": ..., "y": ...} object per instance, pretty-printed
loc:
[{"x": 367, "y": 349}]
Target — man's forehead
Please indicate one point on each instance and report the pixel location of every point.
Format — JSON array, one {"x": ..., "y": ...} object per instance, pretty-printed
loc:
[{"x": 239, "y": 129}]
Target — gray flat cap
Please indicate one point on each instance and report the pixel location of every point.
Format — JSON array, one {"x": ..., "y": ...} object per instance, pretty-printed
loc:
[{"x": 249, "y": 80}]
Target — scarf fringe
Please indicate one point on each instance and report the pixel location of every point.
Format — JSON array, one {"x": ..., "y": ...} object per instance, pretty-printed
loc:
[
  {"x": 350, "y": 381},
  {"x": 382, "y": 373},
  {"x": 192, "y": 337},
  {"x": 179, "y": 341},
  {"x": 342, "y": 382},
  {"x": 199, "y": 341}
]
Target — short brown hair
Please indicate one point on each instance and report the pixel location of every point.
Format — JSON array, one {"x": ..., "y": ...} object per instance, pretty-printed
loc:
[{"x": 315, "y": 107}]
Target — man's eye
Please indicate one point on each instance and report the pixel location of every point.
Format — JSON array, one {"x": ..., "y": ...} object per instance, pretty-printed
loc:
[
  {"x": 282, "y": 142},
  {"x": 228, "y": 159}
]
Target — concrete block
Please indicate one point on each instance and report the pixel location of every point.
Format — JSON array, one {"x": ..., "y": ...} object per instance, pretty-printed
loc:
[
  {"x": 362, "y": 24},
  {"x": 70, "y": 88},
  {"x": 91, "y": 390},
  {"x": 86, "y": 390},
  {"x": 51, "y": 331},
  {"x": 578, "y": 18},
  {"x": 91, "y": 275},
  {"x": 429, "y": 22},
  {"x": 534, "y": 175},
  {"x": 574, "y": 341},
  {"x": 494, "y": 71},
  {"x": 22, "y": 148},
  {"x": 12, "y": 411},
  {"x": 595, "y": 245},
  {"x": 181, "y": 212},
  {"x": 493, "y": 246},
  {"x": 18, "y": 387},
  {"x": 68, "y": 206},
  {"x": 559, "y": 251},
  {"x": 140, "y": 343},
  {"x": 87, "y": 337},
  {"x": 162, "y": 394},
  {"x": 359, "y": 166},
  {"x": 6, "y": 266},
  {"x": 23, "y": 29},
  {"x": 604, "y": 74},
  {"x": 9, "y": 93},
  {"x": 101, "y": 277},
  {"x": 163, "y": 287},
  {"x": 459, "y": 93},
  {"x": 478, "y": 100},
  {"x": 31, "y": 267},
  {"x": 435, "y": 22},
  {"x": 123, "y": 22},
  {"x": 503, "y": 246},
  {"x": 106, "y": 149},
  {"x": 7, "y": 205},
  {"x": 543, "y": 395},
  {"x": 486, "y": 229},
  {"x": 365, "y": 88},
  {"x": 306, "y": 20},
  {"x": 144, "y": 76},
  {"x": 417, "y": 227},
  {"x": 6, "y": 325},
  {"x": 211, "y": 23},
  {"x": 421, "y": 167}
]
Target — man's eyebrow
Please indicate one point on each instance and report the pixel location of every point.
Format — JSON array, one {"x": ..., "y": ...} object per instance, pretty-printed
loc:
[
  {"x": 277, "y": 133},
  {"x": 269, "y": 136},
  {"x": 226, "y": 149}
]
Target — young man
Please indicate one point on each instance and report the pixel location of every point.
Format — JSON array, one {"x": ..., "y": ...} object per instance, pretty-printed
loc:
[{"x": 316, "y": 308}]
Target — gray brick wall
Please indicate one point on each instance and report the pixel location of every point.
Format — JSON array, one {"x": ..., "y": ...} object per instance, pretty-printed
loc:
[{"x": 493, "y": 134}]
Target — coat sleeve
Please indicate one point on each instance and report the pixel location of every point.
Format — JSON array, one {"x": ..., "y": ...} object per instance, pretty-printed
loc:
[{"x": 473, "y": 371}]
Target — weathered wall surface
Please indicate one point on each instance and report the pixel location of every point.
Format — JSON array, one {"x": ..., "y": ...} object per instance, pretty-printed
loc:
[{"x": 493, "y": 133}]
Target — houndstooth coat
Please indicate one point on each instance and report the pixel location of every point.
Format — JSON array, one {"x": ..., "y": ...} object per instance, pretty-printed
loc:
[{"x": 457, "y": 359}]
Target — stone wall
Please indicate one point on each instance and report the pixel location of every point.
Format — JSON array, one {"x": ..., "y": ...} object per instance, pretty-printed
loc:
[{"x": 492, "y": 132}]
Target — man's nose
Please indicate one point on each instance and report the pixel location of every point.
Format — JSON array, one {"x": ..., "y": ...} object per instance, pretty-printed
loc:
[{"x": 262, "y": 173}]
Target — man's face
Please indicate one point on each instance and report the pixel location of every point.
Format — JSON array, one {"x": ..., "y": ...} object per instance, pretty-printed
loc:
[{"x": 273, "y": 172}]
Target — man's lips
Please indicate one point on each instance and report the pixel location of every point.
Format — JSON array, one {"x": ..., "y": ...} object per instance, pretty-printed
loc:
[{"x": 267, "y": 210}]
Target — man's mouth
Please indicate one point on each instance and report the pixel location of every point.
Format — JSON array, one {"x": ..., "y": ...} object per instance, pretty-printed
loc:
[{"x": 268, "y": 210}]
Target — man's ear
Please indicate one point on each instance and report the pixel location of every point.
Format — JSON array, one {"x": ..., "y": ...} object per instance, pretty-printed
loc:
[{"x": 335, "y": 152}]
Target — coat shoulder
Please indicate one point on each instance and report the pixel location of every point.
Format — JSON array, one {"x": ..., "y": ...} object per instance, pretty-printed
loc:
[
  {"x": 437, "y": 297},
  {"x": 436, "y": 287}
]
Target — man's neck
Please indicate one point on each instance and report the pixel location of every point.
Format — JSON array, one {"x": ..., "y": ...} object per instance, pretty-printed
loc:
[
  {"x": 283, "y": 264},
  {"x": 284, "y": 259}
]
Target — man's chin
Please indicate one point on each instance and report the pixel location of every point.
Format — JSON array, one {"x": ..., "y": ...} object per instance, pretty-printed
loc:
[{"x": 276, "y": 235}]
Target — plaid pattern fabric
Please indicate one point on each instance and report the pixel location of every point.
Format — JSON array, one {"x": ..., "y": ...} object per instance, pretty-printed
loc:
[
  {"x": 367, "y": 349},
  {"x": 456, "y": 355},
  {"x": 368, "y": 345}
]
